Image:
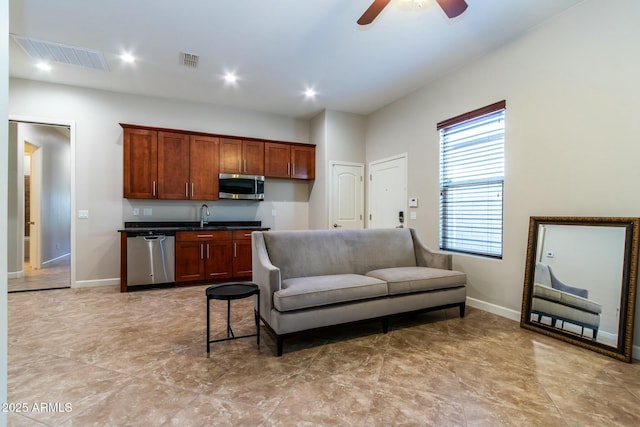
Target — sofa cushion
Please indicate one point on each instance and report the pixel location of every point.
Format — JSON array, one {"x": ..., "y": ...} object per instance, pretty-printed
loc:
[
  {"x": 564, "y": 298},
  {"x": 404, "y": 280},
  {"x": 304, "y": 292}
]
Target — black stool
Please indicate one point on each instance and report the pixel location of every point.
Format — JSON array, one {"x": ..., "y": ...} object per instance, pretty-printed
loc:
[{"x": 228, "y": 292}]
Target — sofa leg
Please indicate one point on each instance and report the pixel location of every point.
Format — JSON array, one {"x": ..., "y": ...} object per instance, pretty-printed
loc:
[
  {"x": 462, "y": 309},
  {"x": 385, "y": 326},
  {"x": 279, "y": 345}
]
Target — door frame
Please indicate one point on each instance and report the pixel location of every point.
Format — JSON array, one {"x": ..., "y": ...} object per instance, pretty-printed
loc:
[
  {"x": 332, "y": 163},
  {"x": 401, "y": 156},
  {"x": 72, "y": 177}
]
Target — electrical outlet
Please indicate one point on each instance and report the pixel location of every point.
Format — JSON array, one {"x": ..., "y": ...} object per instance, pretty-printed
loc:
[
  {"x": 83, "y": 214},
  {"x": 147, "y": 211},
  {"x": 136, "y": 211}
]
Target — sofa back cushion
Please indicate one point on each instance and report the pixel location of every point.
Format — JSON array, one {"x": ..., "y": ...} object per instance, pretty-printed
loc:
[{"x": 320, "y": 252}]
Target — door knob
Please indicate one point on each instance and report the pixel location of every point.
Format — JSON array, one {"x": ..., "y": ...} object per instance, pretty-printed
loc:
[{"x": 336, "y": 226}]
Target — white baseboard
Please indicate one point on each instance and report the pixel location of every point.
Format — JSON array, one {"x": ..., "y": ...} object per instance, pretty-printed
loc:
[
  {"x": 15, "y": 274},
  {"x": 515, "y": 315},
  {"x": 493, "y": 308},
  {"x": 96, "y": 283}
]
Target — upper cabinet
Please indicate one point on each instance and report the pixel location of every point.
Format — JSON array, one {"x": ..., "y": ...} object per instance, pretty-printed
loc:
[
  {"x": 140, "y": 163},
  {"x": 182, "y": 165},
  {"x": 284, "y": 160},
  {"x": 241, "y": 156},
  {"x": 170, "y": 165}
]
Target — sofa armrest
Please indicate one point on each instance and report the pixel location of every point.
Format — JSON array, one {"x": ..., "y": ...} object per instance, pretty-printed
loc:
[
  {"x": 425, "y": 257},
  {"x": 265, "y": 274}
]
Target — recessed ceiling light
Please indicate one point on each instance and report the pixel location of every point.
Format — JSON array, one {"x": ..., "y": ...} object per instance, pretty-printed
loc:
[
  {"x": 310, "y": 93},
  {"x": 43, "y": 66},
  {"x": 230, "y": 77},
  {"x": 128, "y": 58}
]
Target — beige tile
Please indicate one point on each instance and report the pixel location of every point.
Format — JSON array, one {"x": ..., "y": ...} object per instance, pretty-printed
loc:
[{"x": 139, "y": 359}]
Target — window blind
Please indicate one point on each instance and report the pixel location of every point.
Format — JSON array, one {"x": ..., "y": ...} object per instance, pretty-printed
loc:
[{"x": 472, "y": 182}]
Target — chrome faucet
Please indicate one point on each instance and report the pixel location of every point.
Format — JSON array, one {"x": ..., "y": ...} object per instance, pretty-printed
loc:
[{"x": 204, "y": 212}]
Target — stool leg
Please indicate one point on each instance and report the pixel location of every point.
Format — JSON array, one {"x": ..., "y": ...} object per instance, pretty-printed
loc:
[
  {"x": 229, "y": 330},
  {"x": 208, "y": 332}
]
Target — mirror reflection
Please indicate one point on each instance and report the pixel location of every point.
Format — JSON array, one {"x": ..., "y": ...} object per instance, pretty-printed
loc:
[{"x": 580, "y": 281}]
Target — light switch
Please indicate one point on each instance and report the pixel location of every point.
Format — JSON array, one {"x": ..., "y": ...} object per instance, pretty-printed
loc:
[
  {"x": 83, "y": 214},
  {"x": 136, "y": 211},
  {"x": 413, "y": 202},
  {"x": 413, "y": 215}
]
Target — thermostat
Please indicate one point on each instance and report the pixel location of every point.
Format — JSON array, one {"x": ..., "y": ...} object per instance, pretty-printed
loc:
[{"x": 413, "y": 202}]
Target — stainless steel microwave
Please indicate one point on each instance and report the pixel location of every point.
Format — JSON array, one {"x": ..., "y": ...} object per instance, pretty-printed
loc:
[{"x": 241, "y": 187}]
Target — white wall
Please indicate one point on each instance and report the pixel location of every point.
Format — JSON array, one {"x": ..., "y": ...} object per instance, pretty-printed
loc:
[
  {"x": 573, "y": 97},
  {"x": 98, "y": 160},
  {"x": 338, "y": 136}
]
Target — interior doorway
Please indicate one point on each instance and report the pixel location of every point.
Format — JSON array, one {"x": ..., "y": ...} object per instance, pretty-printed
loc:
[{"x": 39, "y": 206}]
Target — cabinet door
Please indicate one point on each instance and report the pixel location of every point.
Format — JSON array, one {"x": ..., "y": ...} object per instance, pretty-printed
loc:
[
  {"x": 140, "y": 163},
  {"x": 219, "y": 259},
  {"x": 189, "y": 261},
  {"x": 173, "y": 166},
  {"x": 252, "y": 157},
  {"x": 230, "y": 155},
  {"x": 203, "y": 167},
  {"x": 242, "y": 254},
  {"x": 277, "y": 160},
  {"x": 303, "y": 162}
]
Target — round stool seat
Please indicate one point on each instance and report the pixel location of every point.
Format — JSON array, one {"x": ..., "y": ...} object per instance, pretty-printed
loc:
[{"x": 231, "y": 290}]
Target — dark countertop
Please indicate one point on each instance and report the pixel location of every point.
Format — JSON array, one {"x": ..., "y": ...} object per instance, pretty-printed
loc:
[{"x": 174, "y": 226}]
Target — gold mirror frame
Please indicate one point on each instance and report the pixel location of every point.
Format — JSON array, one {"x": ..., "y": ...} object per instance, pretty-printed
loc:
[{"x": 623, "y": 349}]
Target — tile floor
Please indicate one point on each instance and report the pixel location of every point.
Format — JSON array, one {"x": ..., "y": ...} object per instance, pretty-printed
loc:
[
  {"x": 96, "y": 357},
  {"x": 56, "y": 274}
]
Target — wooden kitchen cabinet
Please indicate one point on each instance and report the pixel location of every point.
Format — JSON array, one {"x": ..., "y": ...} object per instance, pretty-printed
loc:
[
  {"x": 140, "y": 147},
  {"x": 242, "y": 254},
  {"x": 203, "y": 167},
  {"x": 170, "y": 165},
  {"x": 284, "y": 160},
  {"x": 173, "y": 166},
  {"x": 203, "y": 255},
  {"x": 241, "y": 156}
]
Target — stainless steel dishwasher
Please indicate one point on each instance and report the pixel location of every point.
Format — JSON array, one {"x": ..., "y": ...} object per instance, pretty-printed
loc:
[{"x": 150, "y": 258}]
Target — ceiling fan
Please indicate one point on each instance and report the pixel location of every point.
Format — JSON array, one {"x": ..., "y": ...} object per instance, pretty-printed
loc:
[{"x": 451, "y": 8}]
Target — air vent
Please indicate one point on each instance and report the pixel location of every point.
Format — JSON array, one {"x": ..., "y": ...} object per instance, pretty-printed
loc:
[
  {"x": 189, "y": 59},
  {"x": 62, "y": 53}
]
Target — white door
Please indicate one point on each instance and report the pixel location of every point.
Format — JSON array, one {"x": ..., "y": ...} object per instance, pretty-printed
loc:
[
  {"x": 346, "y": 198},
  {"x": 35, "y": 229},
  {"x": 388, "y": 192}
]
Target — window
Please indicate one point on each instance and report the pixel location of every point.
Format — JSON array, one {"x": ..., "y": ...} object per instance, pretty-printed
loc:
[{"x": 472, "y": 181}]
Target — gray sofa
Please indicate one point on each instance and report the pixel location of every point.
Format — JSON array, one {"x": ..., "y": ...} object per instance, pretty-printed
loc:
[{"x": 318, "y": 278}]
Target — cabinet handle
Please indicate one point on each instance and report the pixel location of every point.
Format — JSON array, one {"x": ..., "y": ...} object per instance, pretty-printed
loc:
[
  {"x": 154, "y": 189},
  {"x": 234, "y": 250},
  {"x": 202, "y": 236},
  {"x": 245, "y": 165},
  {"x": 186, "y": 189},
  {"x": 201, "y": 250},
  {"x": 293, "y": 172},
  {"x": 288, "y": 168},
  {"x": 239, "y": 168},
  {"x": 208, "y": 251},
  {"x": 192, "y": 191}
]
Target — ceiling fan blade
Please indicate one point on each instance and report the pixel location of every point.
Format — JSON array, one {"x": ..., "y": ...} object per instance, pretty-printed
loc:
[
  {"x": 453, "y": 8},
  {"x": 373, "y": 11}
]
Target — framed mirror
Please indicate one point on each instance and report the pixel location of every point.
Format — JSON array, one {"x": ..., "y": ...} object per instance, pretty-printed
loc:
[{"x": 580, "y": 281}]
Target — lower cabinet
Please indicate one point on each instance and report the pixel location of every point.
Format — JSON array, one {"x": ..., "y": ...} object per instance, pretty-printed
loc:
[{"x": 212, "y": 256}]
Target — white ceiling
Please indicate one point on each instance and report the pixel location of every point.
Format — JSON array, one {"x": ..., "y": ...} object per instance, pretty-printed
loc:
[{"x": 278, "y": 48}]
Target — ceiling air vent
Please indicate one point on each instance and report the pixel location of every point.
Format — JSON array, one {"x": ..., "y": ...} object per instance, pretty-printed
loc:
[
  {"x": 189, "y": 59},
  {"x": 62, "y": 53}
]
